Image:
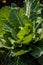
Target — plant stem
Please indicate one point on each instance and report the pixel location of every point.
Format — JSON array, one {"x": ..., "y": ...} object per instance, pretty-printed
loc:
[{"x": 27, "y": 8}]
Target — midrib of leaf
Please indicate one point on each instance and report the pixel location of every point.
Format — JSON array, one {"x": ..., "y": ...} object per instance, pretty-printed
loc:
[
  {"x": 27, "y": 8},
  {"x": 18, "y": 19}
]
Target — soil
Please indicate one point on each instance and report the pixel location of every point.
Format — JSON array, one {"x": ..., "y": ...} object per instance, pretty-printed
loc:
[{"x": 19, "y": 3}]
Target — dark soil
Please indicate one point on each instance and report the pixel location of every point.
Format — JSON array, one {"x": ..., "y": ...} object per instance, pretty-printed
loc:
[{"x": 8, "y": 3}]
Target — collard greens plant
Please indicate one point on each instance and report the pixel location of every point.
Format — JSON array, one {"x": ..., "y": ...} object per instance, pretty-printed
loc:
[{"x": 21, "y": 30}]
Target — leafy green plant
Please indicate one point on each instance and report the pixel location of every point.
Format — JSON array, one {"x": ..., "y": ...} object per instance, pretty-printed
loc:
[{"x": 21, "y": 30}]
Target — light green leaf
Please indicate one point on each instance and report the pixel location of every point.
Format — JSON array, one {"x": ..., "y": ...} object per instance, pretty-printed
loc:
[
  {"x": 23, "y": 18},
  {"x": 16, "y": 52},
  {"x": 2, "y": 30},
  {"x": 27, "y": 39},
  {"x": 4, "y": 13},
  {"x": 23, "y": 32}
]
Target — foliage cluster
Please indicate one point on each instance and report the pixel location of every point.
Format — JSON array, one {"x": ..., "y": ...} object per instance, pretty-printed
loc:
[{"x": 21, "y": 31}]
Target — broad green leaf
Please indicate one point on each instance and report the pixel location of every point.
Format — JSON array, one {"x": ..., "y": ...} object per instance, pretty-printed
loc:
[
  {"x": 27, "y": 39},
  {"x": 4, "y": 13},
  {"x": 21, "y": 13},
  {"x": 3, "y": 17},
  {"x": 14, "y": 18},
  {"x": 2, "y": 30},
  {"x": 24, "y": 19},
  {"x": 14, "y": 34},
  {"x": 23, "y": 32},
  {"x": 37, "y": 50}
]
